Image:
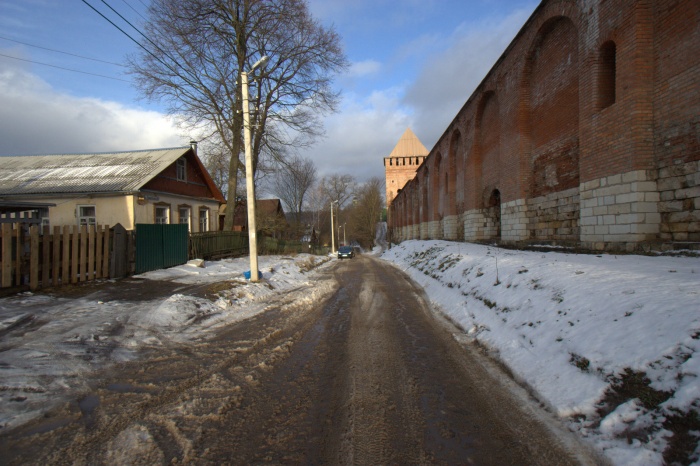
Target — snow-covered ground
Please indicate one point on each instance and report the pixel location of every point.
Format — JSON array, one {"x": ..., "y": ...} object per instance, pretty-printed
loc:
[
  {"x": 579, "y": 329},
  {"x": 576, "y": 329}
]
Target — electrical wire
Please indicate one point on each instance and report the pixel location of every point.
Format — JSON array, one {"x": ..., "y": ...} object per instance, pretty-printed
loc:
[
  {"x": 60, "y": 51},
  {"x": 63, "y": 68},
  {"x": 140, "y": 44},
  {"x": 135, "y": 10}
]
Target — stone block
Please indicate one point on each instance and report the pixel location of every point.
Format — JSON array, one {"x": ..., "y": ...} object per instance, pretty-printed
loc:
[
  {"x": 619, "y": 209},
  {"x": 671, "y": 206},
  {"x": 644, "y": 207},
  {"x": 670, "y": 184},
  {"x": 620, "y": 229},
  {"x": 644, "y": 186},
  {"x": 637, "y": 175},
  {"x": 688, "y": 193}
]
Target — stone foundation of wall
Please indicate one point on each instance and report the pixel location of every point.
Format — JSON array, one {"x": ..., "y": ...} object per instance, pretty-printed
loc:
[
  {"x": 679, "y": 206},
  {"x": 450, "y": 227},
  {"x": 620, "y": 211},
  {"x": 514, "y": 221},
  {"x": 554, "y": 217}
]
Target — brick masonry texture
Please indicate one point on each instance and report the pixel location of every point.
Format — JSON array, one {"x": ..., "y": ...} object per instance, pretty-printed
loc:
[{"x": 585, "y": 132}]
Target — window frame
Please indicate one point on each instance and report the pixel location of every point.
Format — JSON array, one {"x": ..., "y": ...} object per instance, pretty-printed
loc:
[
  {"x": 206, "y": 218},
  {"x": 181, "y": 169},
  {"x": 80, "y": 214},
  {"x": 167, "y": 209},
  {"x": 188, "y": 221}
]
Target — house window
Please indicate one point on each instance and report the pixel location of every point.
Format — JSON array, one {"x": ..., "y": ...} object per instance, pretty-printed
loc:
[
  {"x": 203, "y": 219},
  {"x": 43, "y": 214},
  {"x": 162, "y": 216},
  {"x": 607, "y": 75},
  {"x": 181, "y": 169},
  {"x": 184, "y": 216},
  {"x": 86, "y": 215}
]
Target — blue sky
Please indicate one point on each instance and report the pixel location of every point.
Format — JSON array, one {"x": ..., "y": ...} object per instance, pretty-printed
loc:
[{"x": 414, "y": 64}]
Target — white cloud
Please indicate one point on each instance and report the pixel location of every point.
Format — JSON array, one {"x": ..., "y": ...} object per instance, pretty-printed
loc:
[
  {"x": 35, "y": 119},
  {"x": 364, "y": 68},
  {"x": 361, "y": 135},
  {"x": 449, "y": 77}
]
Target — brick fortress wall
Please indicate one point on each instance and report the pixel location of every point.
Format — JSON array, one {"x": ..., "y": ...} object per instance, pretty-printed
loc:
[{"x": 585, "y": 132}]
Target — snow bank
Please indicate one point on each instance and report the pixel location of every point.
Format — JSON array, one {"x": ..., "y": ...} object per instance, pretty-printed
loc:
[{"x": 570, "y": 326}]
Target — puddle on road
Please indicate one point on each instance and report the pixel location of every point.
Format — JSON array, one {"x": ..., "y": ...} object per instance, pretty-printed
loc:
[{"x": 88, "y": 405}]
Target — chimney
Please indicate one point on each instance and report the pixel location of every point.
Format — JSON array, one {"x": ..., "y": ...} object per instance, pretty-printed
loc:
[{"x": 193, "y": 146}]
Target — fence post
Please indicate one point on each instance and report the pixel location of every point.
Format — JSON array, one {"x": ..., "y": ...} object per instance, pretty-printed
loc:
[
  {"x": 105, "y": 251},
  {"x": 45, "y": 256},
  {"x": 74, "y": 255},
  {"x": 6, "y": 255},
  {"x": 118, "y": 260},
  {"x": 34, "y": 257},
  {"x": 83, "y": 252},
  {"x": 56, "y": 254}
]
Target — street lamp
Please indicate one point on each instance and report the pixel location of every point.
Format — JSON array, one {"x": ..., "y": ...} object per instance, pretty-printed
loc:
[
  {"x": 332, "y": 229},
  {"x": 345, "y": 241},
  {"x": 250, "y": 182}
]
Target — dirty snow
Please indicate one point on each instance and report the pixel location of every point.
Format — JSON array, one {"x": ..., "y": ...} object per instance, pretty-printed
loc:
[
  {"x": 48, "y": 343},
  {"x": 567, "y": 324}
]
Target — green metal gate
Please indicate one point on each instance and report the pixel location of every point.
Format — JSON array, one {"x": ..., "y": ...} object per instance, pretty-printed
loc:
[{"x": 160, "y": 246}]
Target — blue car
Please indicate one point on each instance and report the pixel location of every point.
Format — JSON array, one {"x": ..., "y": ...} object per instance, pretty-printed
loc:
[{"x": 345, "y": 251}]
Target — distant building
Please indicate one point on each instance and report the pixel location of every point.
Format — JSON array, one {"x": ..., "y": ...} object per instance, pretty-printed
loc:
[
  {"x": 144, "y": 186},
  {"x": 402, "y": 163},
  {"x": 270, "y": 218}
]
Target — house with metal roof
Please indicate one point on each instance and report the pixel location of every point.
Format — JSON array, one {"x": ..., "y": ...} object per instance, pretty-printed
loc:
[{"x": 146, "y": 186}]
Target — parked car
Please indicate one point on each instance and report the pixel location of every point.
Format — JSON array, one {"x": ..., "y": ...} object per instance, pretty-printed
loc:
[{"x": 345, "y": 251}]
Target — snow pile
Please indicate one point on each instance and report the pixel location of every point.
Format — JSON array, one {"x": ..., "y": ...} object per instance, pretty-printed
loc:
[{"x": 581, "y": 330}]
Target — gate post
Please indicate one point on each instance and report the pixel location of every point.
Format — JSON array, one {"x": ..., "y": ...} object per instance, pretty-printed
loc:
[{"x": 118, "y": 261}]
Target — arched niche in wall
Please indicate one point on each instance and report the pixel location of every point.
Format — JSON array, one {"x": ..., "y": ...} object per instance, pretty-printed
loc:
[
  {"x": 435, "y": 181},
  {"x": 455, "y": 166},
  {"x": 487, "y": 151},
  {"x": 551, "y": 106}
]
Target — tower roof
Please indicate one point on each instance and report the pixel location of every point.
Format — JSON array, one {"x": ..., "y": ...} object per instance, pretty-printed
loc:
[{"x": 408, "y": 146}]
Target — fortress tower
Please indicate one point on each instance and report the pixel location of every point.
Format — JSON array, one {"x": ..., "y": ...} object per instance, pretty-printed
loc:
[{"x": 402, "y": 164}]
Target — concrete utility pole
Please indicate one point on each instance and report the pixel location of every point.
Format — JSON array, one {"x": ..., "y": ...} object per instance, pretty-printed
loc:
[
  {"x": 332, "y": 229},
  {"x": 249, "y": 178}
]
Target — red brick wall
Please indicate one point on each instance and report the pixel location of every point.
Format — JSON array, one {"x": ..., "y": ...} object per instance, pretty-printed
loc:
[{"x": 585, "y": 91}]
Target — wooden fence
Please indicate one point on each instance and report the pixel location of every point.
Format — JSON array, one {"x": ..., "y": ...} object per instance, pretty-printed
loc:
[{"x": 35, "y": 257}]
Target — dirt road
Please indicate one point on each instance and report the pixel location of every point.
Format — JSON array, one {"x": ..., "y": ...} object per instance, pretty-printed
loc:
[{"x": 369, "y": 377}]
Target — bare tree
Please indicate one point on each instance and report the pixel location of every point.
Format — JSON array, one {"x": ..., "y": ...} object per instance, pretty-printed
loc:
[
  {"x": 367, "y": 211},
  {"x": 292, "y": 182},
  {"x": 194, "y": 55},
  {"x": 339, "y": 188}
]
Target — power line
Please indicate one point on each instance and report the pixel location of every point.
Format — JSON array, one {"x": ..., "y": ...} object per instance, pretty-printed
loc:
[
  {"x": 185, "y": 78},
  {"x": 66, "y": 69},
  {"x": 135, "y": 10},
  {"x": 60, "y": 51}
]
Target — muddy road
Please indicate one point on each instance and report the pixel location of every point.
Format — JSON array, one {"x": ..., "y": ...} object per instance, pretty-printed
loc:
[{"x": 370, "y": 376}]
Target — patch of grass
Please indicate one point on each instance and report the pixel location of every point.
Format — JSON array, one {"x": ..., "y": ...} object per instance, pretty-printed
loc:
[
  {"x": 629, "y": 385},
  {"x": 490, "y": 304},
  {"x": 681, "y": 446},
  {"x": 579, "y": 361}
]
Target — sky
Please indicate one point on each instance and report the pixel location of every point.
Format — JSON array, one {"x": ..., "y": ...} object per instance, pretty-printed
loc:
[
  {"x": 414, "y": 63},
  {"x": 565, "y": 325}
]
